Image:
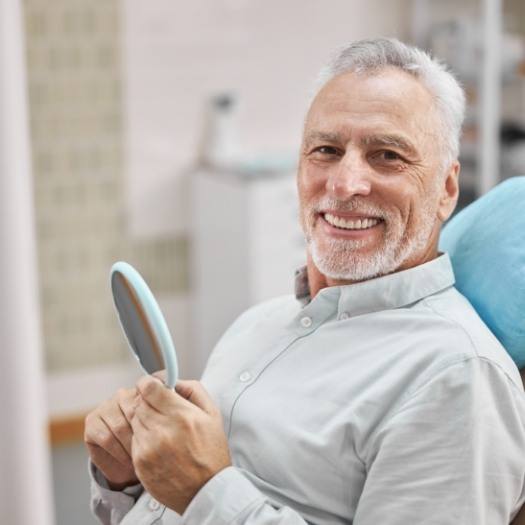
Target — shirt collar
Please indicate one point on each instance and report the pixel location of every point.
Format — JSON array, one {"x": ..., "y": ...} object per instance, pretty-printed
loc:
[{"x": 383, "y": 293}]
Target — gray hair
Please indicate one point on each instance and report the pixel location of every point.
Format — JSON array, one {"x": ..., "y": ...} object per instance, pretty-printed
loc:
[{"x": 373, "y": 55}]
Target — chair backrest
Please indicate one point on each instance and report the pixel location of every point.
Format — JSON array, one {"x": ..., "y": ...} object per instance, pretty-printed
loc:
[{"x": 486, "y": 243}]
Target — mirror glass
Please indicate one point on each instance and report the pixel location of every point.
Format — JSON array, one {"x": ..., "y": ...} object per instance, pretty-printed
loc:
[{"x": 142, "y": 322}]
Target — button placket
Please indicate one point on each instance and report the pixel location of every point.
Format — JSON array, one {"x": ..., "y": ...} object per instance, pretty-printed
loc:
[
  {"x": 245, "y": 376},
  {"x": 153, "y": 505},
  {"x": 306, "y": 321}
]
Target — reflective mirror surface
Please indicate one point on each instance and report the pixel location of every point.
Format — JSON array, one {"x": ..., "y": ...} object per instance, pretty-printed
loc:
[{"x": 142, "y": 322}]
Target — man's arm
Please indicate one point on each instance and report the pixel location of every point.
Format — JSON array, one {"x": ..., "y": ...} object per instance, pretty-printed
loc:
[
  {"x": 180, "y": 454},
  {"x": 452, "y": 454},
  {"x": 230, "y": 498}
]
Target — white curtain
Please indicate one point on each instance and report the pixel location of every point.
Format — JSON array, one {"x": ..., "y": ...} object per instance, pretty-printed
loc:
[{"x": 25, "y": 488}]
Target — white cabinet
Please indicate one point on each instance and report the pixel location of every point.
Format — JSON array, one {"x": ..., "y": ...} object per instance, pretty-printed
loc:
[{"x": 246, "y": 243}]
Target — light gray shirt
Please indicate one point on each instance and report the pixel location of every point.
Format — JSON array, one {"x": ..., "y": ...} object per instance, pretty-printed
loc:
[{"x": 387, "y": 401}]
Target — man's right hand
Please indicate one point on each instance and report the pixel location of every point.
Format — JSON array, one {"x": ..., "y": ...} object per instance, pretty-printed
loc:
[{"x": 108, "y": 434}]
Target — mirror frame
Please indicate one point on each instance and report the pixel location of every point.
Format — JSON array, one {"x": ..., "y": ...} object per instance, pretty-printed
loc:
[{"x": 152, "y": 315}]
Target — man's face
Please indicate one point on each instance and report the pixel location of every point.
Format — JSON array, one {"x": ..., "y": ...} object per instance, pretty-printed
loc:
[{"x": 371, "y": 182}]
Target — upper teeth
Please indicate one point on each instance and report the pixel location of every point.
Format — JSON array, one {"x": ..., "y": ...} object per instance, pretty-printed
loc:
[{"x": 359, "y": 224}]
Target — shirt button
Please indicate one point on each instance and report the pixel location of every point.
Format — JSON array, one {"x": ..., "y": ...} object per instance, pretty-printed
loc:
[
  {"x": 245, "y": 376},
  {"x": 306, "y": 322},
  {"x": 153, "y": 505},
  {"x": 344, "y": 315}
]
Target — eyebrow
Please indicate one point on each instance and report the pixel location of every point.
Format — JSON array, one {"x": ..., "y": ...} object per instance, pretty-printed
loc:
[
  {"x": 396, "y": 141},
  {"x": 321, "y": 136},
  {"x": 392, "y": 140}
]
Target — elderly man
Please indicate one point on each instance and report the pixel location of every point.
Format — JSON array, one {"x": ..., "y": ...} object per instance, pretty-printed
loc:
[{"x": 378, "y": 396}]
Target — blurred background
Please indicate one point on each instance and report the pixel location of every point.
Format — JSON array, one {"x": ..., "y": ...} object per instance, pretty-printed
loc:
[{"x": 166, "y": 134}]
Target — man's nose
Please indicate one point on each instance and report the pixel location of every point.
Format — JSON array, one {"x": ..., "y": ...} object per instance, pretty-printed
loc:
[{"x": 350, "y": 177}]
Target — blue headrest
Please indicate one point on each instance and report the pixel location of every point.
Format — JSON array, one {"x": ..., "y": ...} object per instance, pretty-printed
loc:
[{"x": 486, "y": 243}]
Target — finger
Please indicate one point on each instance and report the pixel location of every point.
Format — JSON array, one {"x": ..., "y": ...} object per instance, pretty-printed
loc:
[
  {"x": 138, "y": 424},
  {"x": 117, "y": 444},
  {"x": 104, "y": 460},
  {"x": 157, "y": 395},
  {"x": 148, "y": 416},
  {"x": 115, "y": 419},
  {"x": 141, "y": 434},
  {"x": 98, "y": 433},
  {"x": 124, "y": 433},
  {"x": 128, "y": 404},
  {"x": 161, "y": 374},
  {"x": 195, "y": 393}
]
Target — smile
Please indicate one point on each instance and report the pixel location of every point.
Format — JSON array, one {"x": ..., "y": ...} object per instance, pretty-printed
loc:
[{"x": 351, "y": 224}]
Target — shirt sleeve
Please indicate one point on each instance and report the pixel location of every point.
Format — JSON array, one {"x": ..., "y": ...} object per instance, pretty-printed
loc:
[
  {"x": 229, "y": 498},
  {"x": 110, "y": 506},
  {"x": 453, "y": 453}
]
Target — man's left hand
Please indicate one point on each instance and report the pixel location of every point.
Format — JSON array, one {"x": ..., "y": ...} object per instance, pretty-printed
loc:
[{"x": 178, "y": 441}]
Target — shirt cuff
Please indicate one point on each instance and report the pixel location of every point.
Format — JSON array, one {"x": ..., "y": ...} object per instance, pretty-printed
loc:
[{"x": 226, "y": 497}]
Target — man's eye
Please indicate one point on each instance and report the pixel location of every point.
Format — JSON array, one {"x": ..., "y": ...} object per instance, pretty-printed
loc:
[
  {"x": 325, "y": 150},
  {"x": 388, "y": 155}
]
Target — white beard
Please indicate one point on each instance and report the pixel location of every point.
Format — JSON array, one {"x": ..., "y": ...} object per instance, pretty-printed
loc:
[{"x": 341, "y": 258}]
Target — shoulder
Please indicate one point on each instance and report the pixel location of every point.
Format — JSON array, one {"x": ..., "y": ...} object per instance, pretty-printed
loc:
[{"x": 462, "y": 335}]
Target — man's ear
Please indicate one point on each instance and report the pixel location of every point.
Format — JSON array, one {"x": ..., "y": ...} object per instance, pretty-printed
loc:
[{"x": 449, "y": 192}]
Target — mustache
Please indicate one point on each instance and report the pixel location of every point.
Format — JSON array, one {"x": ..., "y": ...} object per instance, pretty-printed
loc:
[{"x": 356, "y": 204}]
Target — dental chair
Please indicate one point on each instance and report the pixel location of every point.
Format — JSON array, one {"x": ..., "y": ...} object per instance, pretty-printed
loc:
[{"x": 486, "y": 243}]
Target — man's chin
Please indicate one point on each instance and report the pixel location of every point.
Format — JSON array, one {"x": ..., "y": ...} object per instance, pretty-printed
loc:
[
  {"x": 357, "y": 265},
  {"x": 355, "y": 274},
  {"x": 349, "y": 271}
]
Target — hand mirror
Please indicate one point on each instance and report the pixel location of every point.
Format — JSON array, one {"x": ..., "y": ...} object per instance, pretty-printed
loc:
[{"x": 143, "y": 323}]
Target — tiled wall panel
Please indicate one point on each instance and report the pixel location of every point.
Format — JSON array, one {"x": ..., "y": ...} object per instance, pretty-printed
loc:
[{"x": 75, "y": 93}]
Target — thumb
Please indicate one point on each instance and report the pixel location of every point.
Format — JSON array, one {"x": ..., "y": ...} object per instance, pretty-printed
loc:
[
  {"x": 195, "y": 393},
  {"x": 161, "y": 374}
]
